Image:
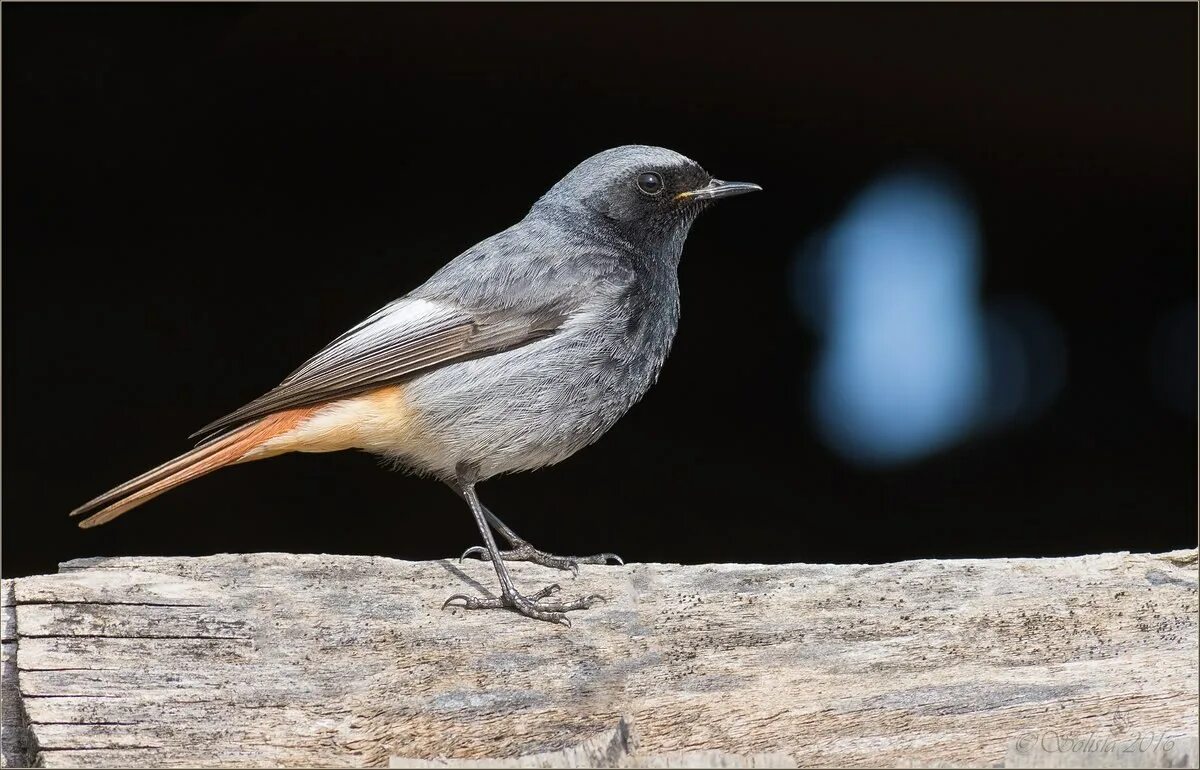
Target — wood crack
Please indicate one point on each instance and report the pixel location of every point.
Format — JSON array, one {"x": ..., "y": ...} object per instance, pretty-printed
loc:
[
  {"x": 138, "y": 636},
  {"x": 98, "y": 603}
]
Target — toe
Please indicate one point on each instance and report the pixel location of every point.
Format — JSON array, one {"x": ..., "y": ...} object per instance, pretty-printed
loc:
[
  {"x": 563, "y": 563},
  {"x": 547, "y": 591},
  {"x": 601, "y": 558}
]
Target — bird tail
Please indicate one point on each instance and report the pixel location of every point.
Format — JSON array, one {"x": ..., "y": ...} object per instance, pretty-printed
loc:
[{"x": 230, "y": 449}]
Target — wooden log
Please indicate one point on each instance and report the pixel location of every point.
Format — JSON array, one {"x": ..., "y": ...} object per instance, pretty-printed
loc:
[{"x": 285, "y": 660}]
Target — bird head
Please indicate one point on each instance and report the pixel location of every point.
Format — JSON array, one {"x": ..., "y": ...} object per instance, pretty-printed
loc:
[{"x": 650, "y": 194}]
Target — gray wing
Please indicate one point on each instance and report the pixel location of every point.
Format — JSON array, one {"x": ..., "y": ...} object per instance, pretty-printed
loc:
[{"x": 407, "y": 336}]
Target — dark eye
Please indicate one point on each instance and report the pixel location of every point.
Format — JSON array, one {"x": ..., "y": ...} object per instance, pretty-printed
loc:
[{"x": 650, "y": 183}]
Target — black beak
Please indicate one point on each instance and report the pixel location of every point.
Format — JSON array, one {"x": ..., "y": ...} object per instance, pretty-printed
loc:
[{"x": 718, "y": 189}]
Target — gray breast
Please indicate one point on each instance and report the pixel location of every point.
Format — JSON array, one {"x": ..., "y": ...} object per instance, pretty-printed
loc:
[{"x": 538, "y": 404}]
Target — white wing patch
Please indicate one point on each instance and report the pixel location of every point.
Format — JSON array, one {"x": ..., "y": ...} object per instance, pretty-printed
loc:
[{"x": 404, "y": 319}]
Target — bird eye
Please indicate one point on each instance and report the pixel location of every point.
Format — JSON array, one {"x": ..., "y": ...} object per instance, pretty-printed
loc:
[{"x": 650, "y": 183}]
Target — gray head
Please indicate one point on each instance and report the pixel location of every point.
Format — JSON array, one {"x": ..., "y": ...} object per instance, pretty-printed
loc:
[{"x": 650, "y": 195}]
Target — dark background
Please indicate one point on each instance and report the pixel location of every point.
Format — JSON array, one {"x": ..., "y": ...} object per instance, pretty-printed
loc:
[{"x": 198, "y": 197}]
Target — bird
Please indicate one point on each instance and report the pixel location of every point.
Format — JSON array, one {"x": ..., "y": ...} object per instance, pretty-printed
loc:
[{"x": 516, "y": 354}]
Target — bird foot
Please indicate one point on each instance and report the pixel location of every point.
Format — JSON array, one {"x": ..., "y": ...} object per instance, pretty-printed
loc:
[
  {"x": 525, "y": 552},
  {"x": 538, "y": 606}
]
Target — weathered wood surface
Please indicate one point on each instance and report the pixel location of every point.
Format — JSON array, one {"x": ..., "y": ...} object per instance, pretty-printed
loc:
[
  {"x": 275, "y": 659},
  {"x": 619, "y": 747}
]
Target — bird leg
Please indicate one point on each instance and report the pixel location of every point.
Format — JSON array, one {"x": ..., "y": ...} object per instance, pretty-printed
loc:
[
  {"x": 522, "y": 550},
  {"x": 538, "y": 606}
]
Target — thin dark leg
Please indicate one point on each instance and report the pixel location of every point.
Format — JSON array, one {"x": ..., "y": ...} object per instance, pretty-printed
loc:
[
  {"x": 522, "y": 550},
  {"x": 536, "y": 606}
]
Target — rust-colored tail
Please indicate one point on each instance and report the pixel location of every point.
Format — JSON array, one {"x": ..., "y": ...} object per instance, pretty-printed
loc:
[{"x": 206, "y": 458}]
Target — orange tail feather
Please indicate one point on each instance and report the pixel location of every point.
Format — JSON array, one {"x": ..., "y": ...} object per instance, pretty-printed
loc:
[{"x": 204, "y": 459}]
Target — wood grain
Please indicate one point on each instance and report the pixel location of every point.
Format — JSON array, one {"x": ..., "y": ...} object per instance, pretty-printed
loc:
[{"x": 286, "y": 660}]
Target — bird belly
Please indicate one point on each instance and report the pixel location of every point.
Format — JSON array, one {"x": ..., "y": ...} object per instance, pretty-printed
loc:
[
  {"x": 524, "y": 408},
  {"x": 379, "y": 421}
]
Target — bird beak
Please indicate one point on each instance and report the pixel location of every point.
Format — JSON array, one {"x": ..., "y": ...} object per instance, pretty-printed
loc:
[{"x": 718, "y": 189}]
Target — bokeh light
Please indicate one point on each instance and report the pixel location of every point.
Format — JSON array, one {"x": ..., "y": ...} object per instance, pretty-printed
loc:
[
  {"x": 911, "y": 362},
  {"x": 1173, "y": 359}
]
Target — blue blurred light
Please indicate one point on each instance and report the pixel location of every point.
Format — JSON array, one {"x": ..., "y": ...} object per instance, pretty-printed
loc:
[
  {"x": 1027, "y": 361},
  {"x": 911, "y": 362},
  {"x": 1173, "y": 359},
  {"x": 904, "y": 371}
]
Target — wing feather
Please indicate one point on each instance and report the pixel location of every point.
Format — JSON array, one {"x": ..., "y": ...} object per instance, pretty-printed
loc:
[{"x": 401, "y": 339}]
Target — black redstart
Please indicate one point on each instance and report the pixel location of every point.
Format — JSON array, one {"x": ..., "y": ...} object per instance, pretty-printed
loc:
[{"x": 521, "y": 351}]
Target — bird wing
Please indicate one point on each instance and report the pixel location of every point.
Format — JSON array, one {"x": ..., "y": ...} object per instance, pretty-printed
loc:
[{"x": 404, "y": 337}]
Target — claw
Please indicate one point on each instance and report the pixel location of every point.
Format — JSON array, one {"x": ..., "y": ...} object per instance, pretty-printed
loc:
[
  {"x": 475, "y": 549},
  {"x": 466, "y": 600}
]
